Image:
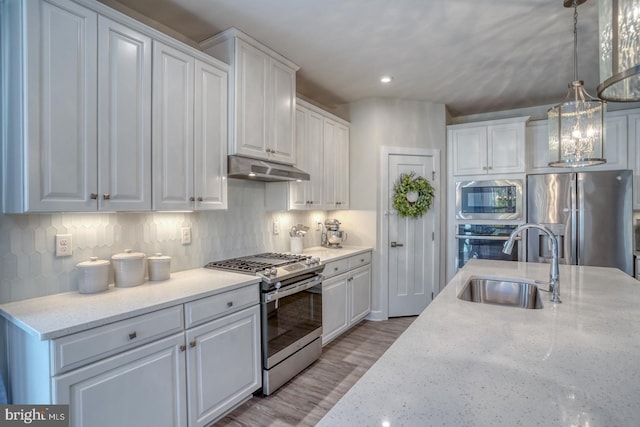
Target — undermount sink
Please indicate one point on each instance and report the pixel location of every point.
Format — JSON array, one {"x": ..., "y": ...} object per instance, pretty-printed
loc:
[{"x": 505, "y": 292}]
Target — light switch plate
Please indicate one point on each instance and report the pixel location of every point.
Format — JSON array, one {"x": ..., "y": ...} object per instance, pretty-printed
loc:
[
  {"x": 185, "y": 234},
  {"x": 64, "y": 245}
]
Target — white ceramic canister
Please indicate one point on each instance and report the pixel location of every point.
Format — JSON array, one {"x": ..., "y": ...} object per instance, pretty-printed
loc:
[
  {"x": 93, "y": 275},
  {"x": 296, "y": 245},
  {"x": 159, "y": 267},
  {"x": 129, "y": 268}
]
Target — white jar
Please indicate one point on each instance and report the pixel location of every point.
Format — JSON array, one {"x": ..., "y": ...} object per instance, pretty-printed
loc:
[
  {"x": 296, "y": 245},
  {"x": 129, "y": 268},
  {"x": 159, "y": 267},
  {"x": 93, "y": 275}
]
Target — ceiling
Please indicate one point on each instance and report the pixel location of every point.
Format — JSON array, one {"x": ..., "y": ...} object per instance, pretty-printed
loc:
[{"x": 475, "y": 56}]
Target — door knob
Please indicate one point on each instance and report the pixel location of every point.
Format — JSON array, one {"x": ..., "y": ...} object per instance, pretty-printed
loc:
[{"x": 396, "y": 245}]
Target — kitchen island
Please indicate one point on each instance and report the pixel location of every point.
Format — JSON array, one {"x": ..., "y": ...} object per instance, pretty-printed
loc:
[{"x": 470, "y": 364}]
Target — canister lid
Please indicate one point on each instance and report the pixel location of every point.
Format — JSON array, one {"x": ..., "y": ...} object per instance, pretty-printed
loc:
[
  {"x": 93, "y": 262},
  {"x": 159, "y": 257},
  {"x": 128, "y": 254}
]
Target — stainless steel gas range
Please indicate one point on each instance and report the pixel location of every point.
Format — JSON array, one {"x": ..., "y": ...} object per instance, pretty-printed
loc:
[{"x": 291, "y": 311}]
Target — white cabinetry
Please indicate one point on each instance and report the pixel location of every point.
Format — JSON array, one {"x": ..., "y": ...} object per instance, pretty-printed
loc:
[
  {"x": 188, "y": 133},
  {"x": 614, "y": 146},
  {"x": 346, "y": 294},
  {"x": 493, "y": 147},
  {"x": 182, "y": 365},
  {"x": 262, "y": 99},
  {"x": 336, "y": 165},
  {"x": 634, "y": 161}
]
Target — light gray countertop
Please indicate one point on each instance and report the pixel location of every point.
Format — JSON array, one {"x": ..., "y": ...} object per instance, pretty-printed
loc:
[
  {"x": 468, "y": 364},
  {"x": 334, "y": 254},
  {"x": 57, "y": 315}
]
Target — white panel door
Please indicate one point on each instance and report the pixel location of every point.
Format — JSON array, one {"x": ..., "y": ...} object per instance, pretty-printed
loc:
[
  {"x": 411, "y": 255},
  {"x": 223, "y": 363},
  {"x": 469, "y": 150},
  {"x": 210, "y": 137},
  {"x": 124, "y": 111},
  {"x": 142, "y": 387},
  {"x": 61, "y": 106},
  {"x": 505, "y": 148},
  {"x": 282, "y": 117},
  {"x": 251, "y": 121},
  {"x": 172, "y": 129}
]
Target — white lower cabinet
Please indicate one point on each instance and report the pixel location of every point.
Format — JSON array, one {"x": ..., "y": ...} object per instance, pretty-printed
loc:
[
  {"x": 346, "y": 294},
  {"x": 185, "y": 365}
]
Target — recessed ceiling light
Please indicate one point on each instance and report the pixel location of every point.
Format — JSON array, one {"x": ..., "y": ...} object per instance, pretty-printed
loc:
[{"x": 386, "y": 79}]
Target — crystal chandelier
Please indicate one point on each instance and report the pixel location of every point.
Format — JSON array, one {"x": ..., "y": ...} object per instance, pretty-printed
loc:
[
  {"x": 619, "y": 50},
  {"x": 576, "y": 127}
]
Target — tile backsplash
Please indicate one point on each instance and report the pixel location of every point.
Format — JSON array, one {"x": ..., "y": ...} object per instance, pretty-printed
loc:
[{"x": 29, "y": 267}]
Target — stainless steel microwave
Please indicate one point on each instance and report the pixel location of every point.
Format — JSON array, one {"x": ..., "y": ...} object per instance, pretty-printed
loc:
[{"x": 489, "y": 200}]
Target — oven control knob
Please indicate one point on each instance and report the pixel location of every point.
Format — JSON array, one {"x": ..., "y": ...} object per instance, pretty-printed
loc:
[
  {"x": 316, "y": 260},
  {"x": 274, "y": 270},
  {"x": 267, "y": 272},
  {"x": 308, "y": 261}
]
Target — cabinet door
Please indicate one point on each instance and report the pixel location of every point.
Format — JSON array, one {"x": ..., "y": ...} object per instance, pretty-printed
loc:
[
  {"x": 331, "y": 163},
  {"x": 469, "y": 150},
  {"x": 298, "y": 191},
  {"x": 335, "y": 318},
  {"x": 124, "y": 111},
  {"x": 210, "y": 137},
  {"x": 141, "y": 387},
  {"x": 252, "y": 69},
  {"x": 505, "y": 148},
  {"x": 223, "y": 364},
  {"x": 360, "y": 293},
  {"x": 634, "y": 159},
  {"x": 282, "y": 110},
  {"x": 314, "y": 151},
  {"x": 538, "y": 146},
  {"x": 615, "y": 143},
  {"x": 61, "y": 105},
  {"x": 172, "y": 153},
  {"x": 342, "y": 166}
]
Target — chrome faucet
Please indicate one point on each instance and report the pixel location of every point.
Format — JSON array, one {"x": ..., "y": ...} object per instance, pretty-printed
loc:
[{"x": 554, "y": 273}]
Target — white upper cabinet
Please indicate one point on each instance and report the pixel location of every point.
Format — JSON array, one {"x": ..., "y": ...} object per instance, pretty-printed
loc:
[
  {"x": 49, "y": 68},
  {"x": 336, "y": 165},
  {"x": 634, "y": 156},
  {"x": 493, "y": 147},
  {"x": 614, "y": 147},
  {"x": 124, "y": 118},
  {"x": 189, "y": 137},
  {"x": 262, "y": 98}
]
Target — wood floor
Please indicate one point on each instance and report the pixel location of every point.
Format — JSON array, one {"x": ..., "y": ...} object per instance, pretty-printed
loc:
[{"x": 304, "y": 400}]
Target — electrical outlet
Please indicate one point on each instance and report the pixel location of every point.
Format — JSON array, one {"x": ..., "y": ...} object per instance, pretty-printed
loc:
[
  {"x": 64, "y": 245},
  {"x": 276, "y": 226},
  {"x": 185, "y": 234}
]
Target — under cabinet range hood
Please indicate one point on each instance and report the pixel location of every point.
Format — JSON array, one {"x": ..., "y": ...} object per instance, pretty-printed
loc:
[{"x": 263, "y": 170}]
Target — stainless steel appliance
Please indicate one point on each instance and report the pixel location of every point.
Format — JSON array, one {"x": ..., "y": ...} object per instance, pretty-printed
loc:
[
  {"x": 290, "y": 309},
  {"x": 332, "y": 236},
  {"x": 484, "y": 241},
  {"x": 489, "y": 200},
  {"x": 590, "y": 212}
]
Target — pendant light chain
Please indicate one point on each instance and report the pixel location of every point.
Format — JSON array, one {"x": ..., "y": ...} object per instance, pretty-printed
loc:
[{"x": 575, "y": 40}]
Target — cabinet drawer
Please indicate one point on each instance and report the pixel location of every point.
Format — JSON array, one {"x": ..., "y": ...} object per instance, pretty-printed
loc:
[
  {"x": 215, "y": 306},
  {"x": 334, "y": 268},
  {"x": 359, "y": 260},
  {"x": 73, "y": 351}
]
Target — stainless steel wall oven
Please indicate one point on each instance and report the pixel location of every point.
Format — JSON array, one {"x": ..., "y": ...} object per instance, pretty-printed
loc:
[
  {"x": 290, "y": 310},
  {"x": 485, "y": 241}
]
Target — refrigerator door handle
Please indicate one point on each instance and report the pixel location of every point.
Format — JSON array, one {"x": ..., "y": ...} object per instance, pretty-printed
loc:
[{"x": 577, "y": 223}]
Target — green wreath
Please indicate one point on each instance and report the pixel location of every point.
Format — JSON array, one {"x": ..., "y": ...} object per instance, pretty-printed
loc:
[{"x": 412, "y": 195}]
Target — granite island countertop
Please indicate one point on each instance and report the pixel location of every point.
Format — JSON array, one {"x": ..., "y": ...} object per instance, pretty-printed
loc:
[{"x": 468, "y": 364}]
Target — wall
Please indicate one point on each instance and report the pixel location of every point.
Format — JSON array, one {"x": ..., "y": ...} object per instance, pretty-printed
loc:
[
  {"x": 29, "y": 268},
  {"x": 375, "y": 123}
]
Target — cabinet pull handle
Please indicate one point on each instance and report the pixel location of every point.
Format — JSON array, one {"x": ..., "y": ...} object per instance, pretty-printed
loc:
[
  {"x": 200, "y": 199},
  {"x": 132, "y": 335},
  {"x": 94, "y": 196},
  {"x": 335, "y": 268},
  {"x": 183, "y": 347},
  {"x": 106, "y": 196},
  {"x": 230, "y": 304},
  {"x": 192, "y": 199},
  {"x": 396, "y": 245},
  {"x": 192, "y": 344},
  {"x": 361, "y": 259}
]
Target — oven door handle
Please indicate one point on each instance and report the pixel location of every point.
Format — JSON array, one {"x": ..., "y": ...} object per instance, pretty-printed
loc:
[
  {"x": 476, "y": 237},
  {"x": 278, "y": 294}
]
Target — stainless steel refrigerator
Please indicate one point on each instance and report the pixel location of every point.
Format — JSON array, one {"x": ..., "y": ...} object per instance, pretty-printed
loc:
[{"x": 590, "y": 212}]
